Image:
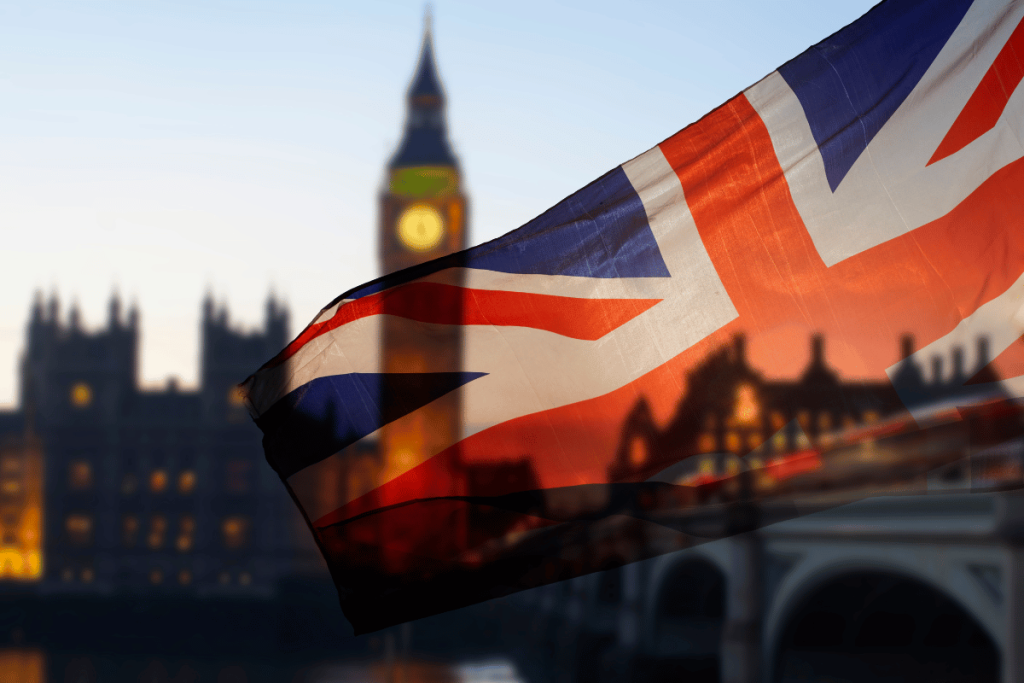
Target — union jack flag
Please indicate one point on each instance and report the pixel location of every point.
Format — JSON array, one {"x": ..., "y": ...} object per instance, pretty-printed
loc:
[{"x": 869, "y": 188}]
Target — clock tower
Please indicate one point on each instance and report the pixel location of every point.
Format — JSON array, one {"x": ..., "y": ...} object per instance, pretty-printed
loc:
[{"x": 422, "y": 217}]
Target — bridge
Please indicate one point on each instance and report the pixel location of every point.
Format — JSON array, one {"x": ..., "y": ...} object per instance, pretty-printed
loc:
[{"x": 924, "y": 587}]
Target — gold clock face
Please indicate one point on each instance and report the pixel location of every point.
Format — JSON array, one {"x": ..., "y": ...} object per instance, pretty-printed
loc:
[{"x": 420, "y": 228}]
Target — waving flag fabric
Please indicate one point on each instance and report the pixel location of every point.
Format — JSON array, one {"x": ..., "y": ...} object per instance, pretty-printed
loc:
[{"x": 741, "y": 288}]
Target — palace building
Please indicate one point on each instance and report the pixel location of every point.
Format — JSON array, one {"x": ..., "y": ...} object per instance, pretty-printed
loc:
[
  {"x": 746, "y": 414},
  {"x": 105, "y": 487}
]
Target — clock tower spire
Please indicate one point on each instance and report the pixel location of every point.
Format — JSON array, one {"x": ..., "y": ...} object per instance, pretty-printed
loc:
[
  {"x": 422, "y": 207},
  {"x": 422, "y": 217}
]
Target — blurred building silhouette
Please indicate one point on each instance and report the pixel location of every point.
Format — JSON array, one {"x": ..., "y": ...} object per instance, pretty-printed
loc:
[
  {"x": 143, "y": 490},
  {"x": 730, "y": 407}
]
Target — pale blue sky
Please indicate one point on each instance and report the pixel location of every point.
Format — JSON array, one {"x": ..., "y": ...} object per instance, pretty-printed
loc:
[{"x": 167, "y": 148}]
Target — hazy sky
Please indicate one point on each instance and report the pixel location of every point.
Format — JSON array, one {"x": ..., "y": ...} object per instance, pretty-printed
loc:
[{"x": 163, "y": 149}]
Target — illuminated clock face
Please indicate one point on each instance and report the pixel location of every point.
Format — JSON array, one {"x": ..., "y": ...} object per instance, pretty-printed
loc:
[{"x": 420, "y": 228}]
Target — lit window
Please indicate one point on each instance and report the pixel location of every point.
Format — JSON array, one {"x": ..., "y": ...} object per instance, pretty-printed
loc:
[
  {"x": 637, "y": 452},
  {"x": 224, "y": 578},
  {"x": 10, "y": 465},
  {"x": 67, "y": 575},
  {"x": 87, "y": 575},
  {"x": 158, "y": 481},
  {"x": 746, "y": 409},
  {"x": 81, "y": 395},
  {"x": 732, "y": 442},
  {"x": 871, "y": 416},
  {"x": 824, "y": 422},
  {"x": 11, "y": 487},
  {"x": 706, "y": 443},
  {"x": 707, "y": 466},
  {"x": 79, "y": 475},
  {"x": 130, "y": 530},
  {"x": 245, "y": 578},
  {"x": 778, "y": 420},
  {"x": 129, "y": 484},
  {"x": 186, "y": 530},
  {"x": 184, "y": 577},
  {"x": 186, "y": 482},
  {"x": 236, "y": 532},
  {"x": 157, "y": 530},
  {"x": 156, "y": 577},
  {"x": 236, "y": 397},
  {"x": 79, "y": 529}
]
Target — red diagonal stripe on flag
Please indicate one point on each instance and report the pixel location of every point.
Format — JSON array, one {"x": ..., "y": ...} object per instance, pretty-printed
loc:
[
  {"x": 442, "y": 304},
  {"x": 986, "y": 105}
]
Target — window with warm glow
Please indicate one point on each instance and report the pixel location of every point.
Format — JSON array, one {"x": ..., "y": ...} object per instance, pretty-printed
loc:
[
  {"x": 235, "y": 397},
  {"x": 184, "y": 577},
  {"x": 23, "y": 665},
  {"x": 157, "y": 531},
  {"x": 130, "y": 530},
  {"x": 156, "y": 577},
  {"x": 637, "y": 451},
  {"x": 186, "y": 532},
  {"x": 80, "y": 475},
  {"x": 158, "y": 481},
  {"x": 746, "y": 410},
  {"x": 236, "y": 532},
  {"x": 186, "y": 482},
  {"x": 779, "y": 442},
  {"x": 732, "y": 442},
  {"x": 21, "y": 514},
  {"x": 706, "y": 443},
  {"x": 81, "y": 395},
  {"x": 79, "y": 529}
]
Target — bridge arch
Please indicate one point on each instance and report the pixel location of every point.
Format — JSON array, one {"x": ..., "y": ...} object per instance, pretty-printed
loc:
[
  {"x": 684, "y": 617},
  {"x": 661, "y": 571},
  {"x": 854, "y": 624},
  {"x": 945, "y": 568}
]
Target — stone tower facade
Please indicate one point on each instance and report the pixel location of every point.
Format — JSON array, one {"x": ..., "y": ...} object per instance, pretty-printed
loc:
[{"x": 422, "y": 217}]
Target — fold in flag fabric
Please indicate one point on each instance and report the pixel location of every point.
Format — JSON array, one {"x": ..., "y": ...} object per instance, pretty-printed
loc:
[{"x": 813, "y": 294}]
